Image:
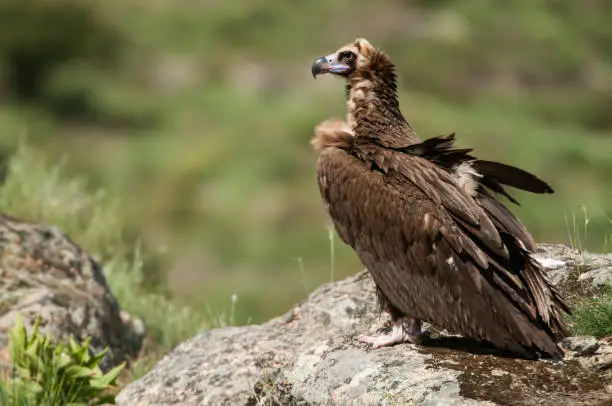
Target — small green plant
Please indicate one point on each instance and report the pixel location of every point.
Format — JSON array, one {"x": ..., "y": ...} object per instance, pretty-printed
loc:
[
  {"x": 332, "y": 252},
  {"x": 49, "y": 373},
  {"x": 592, "y": 315},
  {"x": 577, "y": 233}
]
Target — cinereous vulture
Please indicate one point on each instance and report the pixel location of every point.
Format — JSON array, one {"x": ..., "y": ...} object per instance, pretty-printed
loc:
[{"x": 423, "y": 218}]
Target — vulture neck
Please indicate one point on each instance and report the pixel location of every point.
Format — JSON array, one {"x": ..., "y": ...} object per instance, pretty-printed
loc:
[{"x": 374, "y": 112}]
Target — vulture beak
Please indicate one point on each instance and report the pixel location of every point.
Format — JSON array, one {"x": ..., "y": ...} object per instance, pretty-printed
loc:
[{"x": 328, "y": 64}]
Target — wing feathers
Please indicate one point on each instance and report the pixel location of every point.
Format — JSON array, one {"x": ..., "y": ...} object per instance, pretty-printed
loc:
[
  {"x": 437, "y": 253},
  {"x": 512, "y": 176},
  {"x": 504, "y": 220},
  {"x": 439, "y": 188},
  {"x": 441, "y": 151},
  {"x": 512, "y": 273}
]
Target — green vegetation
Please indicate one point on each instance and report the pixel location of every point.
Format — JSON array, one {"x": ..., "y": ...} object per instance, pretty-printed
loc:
[
  {"x": 48, "y": 373},
  {"x": 191, "y": 120},
  {"x": 592, "y": 314}
]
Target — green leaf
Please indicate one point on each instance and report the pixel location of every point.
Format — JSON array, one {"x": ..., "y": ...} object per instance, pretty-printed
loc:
[
  {"x": 18, "y": 340},
  {"x": 63, "y": 360},
  {"x": 34, "y": 347},
  {"x": 96, "y": 358},
  {"x": 19, "y": 392},
  {"x": 77, "y": 371},
  {"x": 81, "y": 352},
  {"x": 35, "y": 327},
  {"x": 107, "y": 380},
  {"x": 107, "y": 399},
  {"x": 74, "y": 348},
  {"x": 34, "y": 362}
]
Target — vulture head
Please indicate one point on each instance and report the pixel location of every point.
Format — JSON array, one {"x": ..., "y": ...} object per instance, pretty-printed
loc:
[
  {"x": 355, "y": 60},
  {"x": 371, "y": 93}
]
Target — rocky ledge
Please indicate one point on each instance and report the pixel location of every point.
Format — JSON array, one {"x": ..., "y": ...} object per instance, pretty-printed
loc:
[{"x": 310, "y": 356}]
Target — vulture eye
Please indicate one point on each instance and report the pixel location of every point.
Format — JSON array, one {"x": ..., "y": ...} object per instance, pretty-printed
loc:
[{"x": 347, "y": 56}]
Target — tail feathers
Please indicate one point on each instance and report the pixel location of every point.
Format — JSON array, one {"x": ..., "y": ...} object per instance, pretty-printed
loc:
[
  {"x": 534, "y": 339},
  {"x": 512, "y": 176},
  {"x": 516, "y": 331},
  {"x": 521, "y": 334},
  {"x": 441, "y": 151},
  {"x": 543, "y": 295},
  {"x": 540, "y": 331},
  {"x": 530, "y": 309}
]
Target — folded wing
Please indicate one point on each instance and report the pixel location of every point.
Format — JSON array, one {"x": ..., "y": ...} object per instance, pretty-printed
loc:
[{"x": 439, "y": 253}]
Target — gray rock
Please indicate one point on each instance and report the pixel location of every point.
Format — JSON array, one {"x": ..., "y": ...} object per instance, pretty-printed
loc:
[
  {"x": 600, "y": 360},
  {"x": 311, "y": 356},
  {"x": 581, "y": 345},
  {"x": 567, "y": 264},
  {"x": 308, "y": 356},
  {"x": 45, "y": 274},
  {"x": 598, "y": 276}
]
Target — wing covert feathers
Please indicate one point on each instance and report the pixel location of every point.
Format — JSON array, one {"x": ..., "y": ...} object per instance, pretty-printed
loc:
[{"x": 437, "y": 253}]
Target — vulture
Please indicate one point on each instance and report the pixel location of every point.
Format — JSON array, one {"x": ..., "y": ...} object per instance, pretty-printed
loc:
[{"x": 424, "y": 219}]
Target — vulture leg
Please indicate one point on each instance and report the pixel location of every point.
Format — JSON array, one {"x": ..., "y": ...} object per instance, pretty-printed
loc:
[{"x": 404, "y": 330}]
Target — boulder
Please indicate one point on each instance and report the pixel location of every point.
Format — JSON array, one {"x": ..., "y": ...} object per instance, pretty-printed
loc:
[
  {"x": 44, "y": 274},
  {"x": 311, "y": 356}
]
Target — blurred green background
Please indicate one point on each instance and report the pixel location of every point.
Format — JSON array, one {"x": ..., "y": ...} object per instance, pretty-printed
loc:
[{"x": 197, "y": 116}]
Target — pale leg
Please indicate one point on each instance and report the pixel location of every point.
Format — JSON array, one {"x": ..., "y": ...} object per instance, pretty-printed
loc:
[{"x": 402, "y": 331}]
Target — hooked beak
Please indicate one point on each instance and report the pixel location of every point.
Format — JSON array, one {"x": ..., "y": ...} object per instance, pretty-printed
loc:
[{"x": 328, "y": 64}]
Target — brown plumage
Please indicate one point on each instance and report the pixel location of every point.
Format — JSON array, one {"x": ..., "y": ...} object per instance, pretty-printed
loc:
[{"x": 423, "y": 219}]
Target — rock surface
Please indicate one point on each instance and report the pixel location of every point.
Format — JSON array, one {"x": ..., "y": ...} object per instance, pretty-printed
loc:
[
  {"x": 568, "y": 265},
  {"x": 44, "y": 274},
  {"x": 581, "y": 346},
  {"x": 310, "y": 356},
  {"x": 600, "y": 359}
]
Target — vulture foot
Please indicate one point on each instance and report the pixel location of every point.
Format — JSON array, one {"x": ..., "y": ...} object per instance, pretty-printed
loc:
[{"x": 402, "y": 331}]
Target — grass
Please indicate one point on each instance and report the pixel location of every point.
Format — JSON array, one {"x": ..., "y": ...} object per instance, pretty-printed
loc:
[
  {"x": 331, "y": 233},
  {"x": 591, "y": 305},
  {"x": 592, "y": 314},
  {"x": 577, "y": 232}
]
